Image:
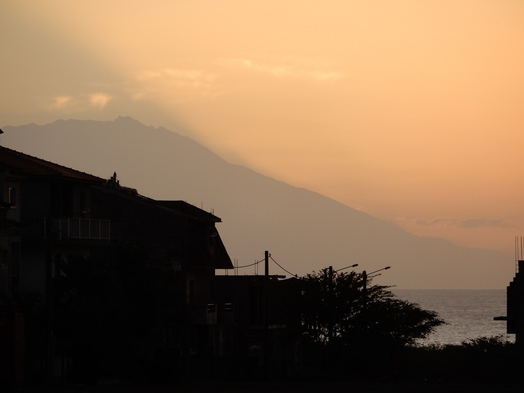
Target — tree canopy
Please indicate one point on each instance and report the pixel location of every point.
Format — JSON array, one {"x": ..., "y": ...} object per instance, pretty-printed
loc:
[{"x": 343, "y": 307}]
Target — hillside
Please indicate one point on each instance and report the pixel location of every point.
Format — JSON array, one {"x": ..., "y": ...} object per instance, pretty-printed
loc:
[{"x": 303, "y": 230}]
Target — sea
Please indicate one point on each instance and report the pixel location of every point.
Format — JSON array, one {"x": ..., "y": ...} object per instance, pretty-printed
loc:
[{"x": 468, "y": 313}]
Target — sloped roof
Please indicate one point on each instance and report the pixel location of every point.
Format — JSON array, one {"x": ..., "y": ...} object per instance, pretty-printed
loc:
[
  {"x": 25, "y": 164},
  {"x": 190, "y": 210}
]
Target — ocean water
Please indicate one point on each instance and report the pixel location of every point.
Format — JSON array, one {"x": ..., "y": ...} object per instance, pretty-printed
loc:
[{"x": 469, "y": 313}]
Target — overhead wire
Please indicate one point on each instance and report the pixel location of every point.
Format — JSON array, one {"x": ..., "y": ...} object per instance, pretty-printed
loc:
[
  {"x": 262, "y": 260},
  {"x": 251, "y": 264},
  {"x": 280, "y": 266}
]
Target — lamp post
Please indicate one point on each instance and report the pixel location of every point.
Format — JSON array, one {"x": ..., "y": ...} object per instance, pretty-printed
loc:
[
  {"x": 330, "y": 273},
  {"x": 365, "y": 276},
  {"x": 330, "y": 293},
  {"x": 344, "y": 268}
]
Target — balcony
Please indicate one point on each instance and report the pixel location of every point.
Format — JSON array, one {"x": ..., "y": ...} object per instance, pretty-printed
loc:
[{"x": 75, "y": 228}]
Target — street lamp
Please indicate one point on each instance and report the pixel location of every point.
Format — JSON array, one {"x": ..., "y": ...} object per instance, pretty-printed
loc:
[
  {"x": 365, "y": 276},
  {"x": 331, "y": 271},
  {"x": 347, "y": 267},
  {"x": 384, "y": 268},
  {"x": 330, "y": 290}
]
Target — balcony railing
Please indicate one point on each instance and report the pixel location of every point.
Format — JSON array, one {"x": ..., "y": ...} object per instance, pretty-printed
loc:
[{"x": 81, "y": 228}]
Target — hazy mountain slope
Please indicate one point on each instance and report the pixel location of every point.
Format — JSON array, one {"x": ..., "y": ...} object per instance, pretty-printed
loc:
[{"x": 303, "y": 230}]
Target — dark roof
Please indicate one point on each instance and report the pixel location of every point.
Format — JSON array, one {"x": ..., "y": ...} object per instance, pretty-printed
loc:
[
  {"x": 190, "y": 210},
  {"x": 25, "y": 164}
]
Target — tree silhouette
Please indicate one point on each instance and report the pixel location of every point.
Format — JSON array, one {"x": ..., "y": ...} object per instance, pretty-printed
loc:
[{"x": 338, "y": 307}]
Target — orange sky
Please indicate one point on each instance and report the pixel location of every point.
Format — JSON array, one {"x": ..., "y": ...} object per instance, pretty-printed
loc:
[{"x": 410, "y": 110}]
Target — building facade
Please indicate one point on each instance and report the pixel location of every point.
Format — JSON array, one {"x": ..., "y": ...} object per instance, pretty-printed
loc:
[{"x": 52, "y": 216}]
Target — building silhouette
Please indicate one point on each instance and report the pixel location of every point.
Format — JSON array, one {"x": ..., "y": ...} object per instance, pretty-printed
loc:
[{"x": 52, "y": 216}]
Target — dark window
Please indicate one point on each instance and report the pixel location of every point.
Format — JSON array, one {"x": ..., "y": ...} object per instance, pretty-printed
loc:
[
  {"x": 11, "y": 196},
  {"x": 15, "y": 266},
  {"x": 82, "y": 204},
  {"x": 4, "y": 262}
]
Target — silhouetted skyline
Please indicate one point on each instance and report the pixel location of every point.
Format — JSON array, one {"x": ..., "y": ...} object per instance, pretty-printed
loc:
[{"x": 303, "y": 230}]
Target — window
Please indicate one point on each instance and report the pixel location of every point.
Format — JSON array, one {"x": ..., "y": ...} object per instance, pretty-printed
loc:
[
  {"x": 82, "y": 204},
  {"x": 11, "y": 196},
  {"x": 15, "y": 266}
]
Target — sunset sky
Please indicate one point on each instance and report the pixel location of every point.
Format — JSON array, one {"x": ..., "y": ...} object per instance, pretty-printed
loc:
[{"x": 410, "y": 110}]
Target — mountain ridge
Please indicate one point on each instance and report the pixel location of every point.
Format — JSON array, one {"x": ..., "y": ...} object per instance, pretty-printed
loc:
[{"x": 303, "y": 229}]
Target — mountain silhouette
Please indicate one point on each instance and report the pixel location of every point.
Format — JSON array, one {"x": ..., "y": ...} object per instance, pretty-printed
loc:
[{"x": 303, "y": 230}]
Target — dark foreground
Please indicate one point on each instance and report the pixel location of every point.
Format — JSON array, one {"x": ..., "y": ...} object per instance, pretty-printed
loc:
[{"x": 288, "y": 387}]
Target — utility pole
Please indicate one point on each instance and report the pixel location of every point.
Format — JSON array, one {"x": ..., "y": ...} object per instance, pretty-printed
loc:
[
  {"x": 365, "y": 284},
  {"x": 331, "y": 298},
  {"x": 266, "y": 315},
  {"x": 330, "y": 305}
]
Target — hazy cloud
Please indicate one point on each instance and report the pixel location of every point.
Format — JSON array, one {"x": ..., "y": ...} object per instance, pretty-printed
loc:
[
  {"x": 482, "y": 223},
  {"x": 61, "y": 102},
  {"x": 79, "y": 103},
  {"x": 192, "y": 82},
  {"x": 99, "y": 99},
  {"x": 193, "y": 78},
  {"x": 426, "y": 223},
  {"x": 285, "y": 70},
  {"x": 459, "y": 223}
]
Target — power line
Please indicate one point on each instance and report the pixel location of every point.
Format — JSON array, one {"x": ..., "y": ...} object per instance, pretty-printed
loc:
[
  {"x": 262, "y": 260},
  {"x": 252, "y": 264},
  {"x": 280, "y": 266}
]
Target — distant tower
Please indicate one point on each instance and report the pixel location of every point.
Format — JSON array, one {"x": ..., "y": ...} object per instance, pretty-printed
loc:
[{"x": 515, "y": 296}]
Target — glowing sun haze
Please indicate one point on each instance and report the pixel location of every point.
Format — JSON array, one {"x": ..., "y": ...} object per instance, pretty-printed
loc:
[{"x": 410, "y": 110}]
